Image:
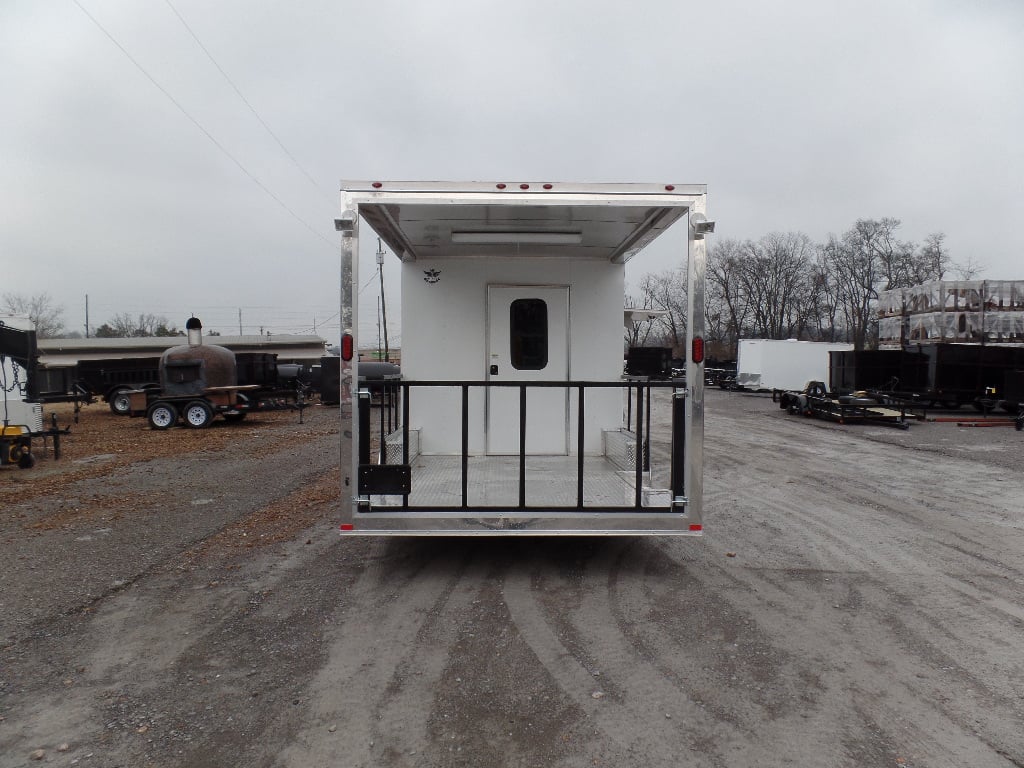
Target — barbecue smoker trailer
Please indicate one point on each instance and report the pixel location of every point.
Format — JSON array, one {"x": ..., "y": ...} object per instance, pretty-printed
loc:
[{"x": 512, "y": 415}]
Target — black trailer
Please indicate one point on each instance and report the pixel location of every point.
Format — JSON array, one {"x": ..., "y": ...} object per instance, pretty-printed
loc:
[
  {"x": 938, "y": 375},
  {"x": 111, "y": 379},
  {"x": 953, "y": 375},
  {"x": 860, "y": 370}
]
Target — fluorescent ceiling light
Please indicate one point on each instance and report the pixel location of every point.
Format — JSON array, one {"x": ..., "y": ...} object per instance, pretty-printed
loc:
[{"x": 517, "y": 238}]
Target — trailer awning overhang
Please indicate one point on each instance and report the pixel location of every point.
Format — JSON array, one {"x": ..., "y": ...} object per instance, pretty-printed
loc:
[{"x": 420, "y": 220}]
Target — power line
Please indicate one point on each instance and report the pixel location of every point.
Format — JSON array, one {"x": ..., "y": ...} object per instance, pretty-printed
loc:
[
  {"x": 245, "y": 101},
  {"x": 198, "y": 125}
]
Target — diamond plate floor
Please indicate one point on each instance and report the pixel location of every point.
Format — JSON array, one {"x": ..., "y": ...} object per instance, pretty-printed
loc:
[{"x": 494, "y": 481}]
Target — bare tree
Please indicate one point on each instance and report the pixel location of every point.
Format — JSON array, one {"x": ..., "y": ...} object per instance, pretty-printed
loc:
[
  {"x": 124, "y": 325},
  {"x": 869, "y": 258},
  {"x": 970, "y": 269},
  {"x": 724, "y": 304},
  {"x": 823, "y": 301},
  {"x": 934, "y": 258},
  {"x": 40, "y": 309},
  {"x": 666, "y": 291},
  {"x": 774, "y": 279}
]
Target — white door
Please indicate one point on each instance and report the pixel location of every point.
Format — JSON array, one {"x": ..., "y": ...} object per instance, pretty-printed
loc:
[{"x": 527, "y": 340}]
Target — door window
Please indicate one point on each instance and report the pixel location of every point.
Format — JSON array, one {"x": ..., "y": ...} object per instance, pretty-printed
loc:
[{"x": 528, "y": 329}]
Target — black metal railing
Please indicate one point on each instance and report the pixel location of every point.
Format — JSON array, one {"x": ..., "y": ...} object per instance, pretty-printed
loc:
[{"x": 394, "y": 407}]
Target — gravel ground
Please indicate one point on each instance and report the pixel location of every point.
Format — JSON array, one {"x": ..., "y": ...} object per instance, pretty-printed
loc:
[{"x": 183, "y": 598}]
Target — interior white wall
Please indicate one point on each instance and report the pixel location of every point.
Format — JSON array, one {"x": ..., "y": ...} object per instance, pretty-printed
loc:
[{"x": 444, "y": 338}]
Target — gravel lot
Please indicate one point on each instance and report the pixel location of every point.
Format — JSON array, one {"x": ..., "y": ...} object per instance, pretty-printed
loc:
[{"x": 183, "y": 598}]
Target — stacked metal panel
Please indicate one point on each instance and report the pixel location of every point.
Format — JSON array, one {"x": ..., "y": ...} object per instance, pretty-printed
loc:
[{"x": 964, "y": 311}]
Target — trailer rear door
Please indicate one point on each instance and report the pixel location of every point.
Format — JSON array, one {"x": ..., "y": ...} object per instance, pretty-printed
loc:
[{"x": 528, "y": 340}]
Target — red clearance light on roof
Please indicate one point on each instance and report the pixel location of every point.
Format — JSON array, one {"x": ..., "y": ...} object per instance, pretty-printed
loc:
[
  {"x": 698, "y": 349},
  {"x": 376, "y": 185},
  {"x": 547, "y": 186},
  {"x": 697, "y": 527},
  {"x": 670, "y": 187},
  {"x": 524, "y": 186},
  {"x": 500, "y": 186},
  {"x": 347, "y": 527},
  {"x": 347, "y": 346}
]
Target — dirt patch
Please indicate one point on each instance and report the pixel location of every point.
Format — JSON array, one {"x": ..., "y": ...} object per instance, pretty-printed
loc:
[{"x": 99, "y": 443}]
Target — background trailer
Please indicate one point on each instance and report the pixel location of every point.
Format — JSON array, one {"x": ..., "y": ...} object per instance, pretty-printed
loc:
[
  {"x": 510, "y": 410},
  {"x": 763, "y": 364}
]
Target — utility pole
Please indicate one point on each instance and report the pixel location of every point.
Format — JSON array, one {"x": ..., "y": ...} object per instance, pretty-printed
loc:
[
  {"x": 239, "y": 321},
  {"x": 378, "y": 328},
  {"x": 383, "y": 305},
  {"x": 87, "y": 315}
]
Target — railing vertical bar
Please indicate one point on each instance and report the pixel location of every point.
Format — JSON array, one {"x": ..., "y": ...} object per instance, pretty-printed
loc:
[
  {"x": 389, "y": 395},
  {"x": 579, "y": 448},
  {"x": 647, "y": 433},
  {"x": 383, "y": 432},
  {"x": 364, "y": 428},
  {"x": 465, "y": 446},
  {"x": 629, "y": 407},
  {"x": 522, "y": 446},
  {"x": 678, "y": 481},
  {"x": 405, "y": 436},
  {"x": 639, "y": 445}
]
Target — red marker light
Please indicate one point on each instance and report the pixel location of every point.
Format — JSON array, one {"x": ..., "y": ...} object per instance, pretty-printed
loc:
[
  {"x": 697, "y": 352},
  {"x": 547, "y": 186},
  {"x": 377, "y": 185},
  {"x": 500, "y": 186},
  {"x": 670, "y": 187},
  {"x": 524, "y": 186},
  {"x": 696, "y": 527},
  {"x": 347, "y": 346},
  {"x": 347, "y": 527}
]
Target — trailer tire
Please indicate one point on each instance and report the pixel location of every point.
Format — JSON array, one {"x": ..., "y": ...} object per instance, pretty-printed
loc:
[
  {"x": 234, "y": 416},
  {"x": 26, "y": 460},
  {"x": 198, "y": 414},
  {"x": 162, "y": 415},
  {"x": 120, "y": 402}
]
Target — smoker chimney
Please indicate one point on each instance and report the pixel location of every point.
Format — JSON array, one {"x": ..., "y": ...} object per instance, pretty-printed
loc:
[{"x": 195, "y": 331}]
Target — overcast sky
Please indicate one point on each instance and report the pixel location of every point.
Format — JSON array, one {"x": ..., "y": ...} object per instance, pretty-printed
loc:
[{"x": 148, "y": 184}]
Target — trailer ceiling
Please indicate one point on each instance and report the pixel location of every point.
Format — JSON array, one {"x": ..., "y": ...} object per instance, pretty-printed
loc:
[{"x": 597, "y": 225}]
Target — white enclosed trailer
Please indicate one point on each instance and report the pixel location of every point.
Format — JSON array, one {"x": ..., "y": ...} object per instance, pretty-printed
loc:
[
  {"x": 512, "y": 414},
  {"x": 783, "y": 364}
]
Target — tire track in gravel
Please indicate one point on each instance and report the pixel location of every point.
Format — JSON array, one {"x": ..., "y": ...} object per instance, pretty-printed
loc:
[
  {"x": 879, "y": 646},
  {"x": 386, "y": 657},
  {"x": 871, "y": 542},
  {"x": 950, "y": 634},
  {"x": 879, "y": 536},
  {"x": 637, "y": 711},
  {"x": 892, "y": 501},
  {"x": 871, "y": 678}
]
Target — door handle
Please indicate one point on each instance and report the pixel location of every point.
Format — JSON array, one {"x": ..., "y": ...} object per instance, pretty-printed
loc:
[{"x": 494, "y": 370}]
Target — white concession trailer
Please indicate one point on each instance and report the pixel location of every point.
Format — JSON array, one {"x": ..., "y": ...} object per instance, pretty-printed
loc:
[
  {"x": 512, "y": 414},
  {"x": 786, "y": 364}
]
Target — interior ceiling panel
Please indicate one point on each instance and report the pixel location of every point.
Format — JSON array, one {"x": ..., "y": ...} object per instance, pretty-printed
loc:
[{"x": 610, "y": 232}]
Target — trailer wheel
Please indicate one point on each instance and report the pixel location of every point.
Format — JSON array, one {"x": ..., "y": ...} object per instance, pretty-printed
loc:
[
  {"x": 238, "y": 416},
  {"x": 198, "y": 414},
  {"x": 162, "y": 415},
  {"x": 120, "y": 402}
]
